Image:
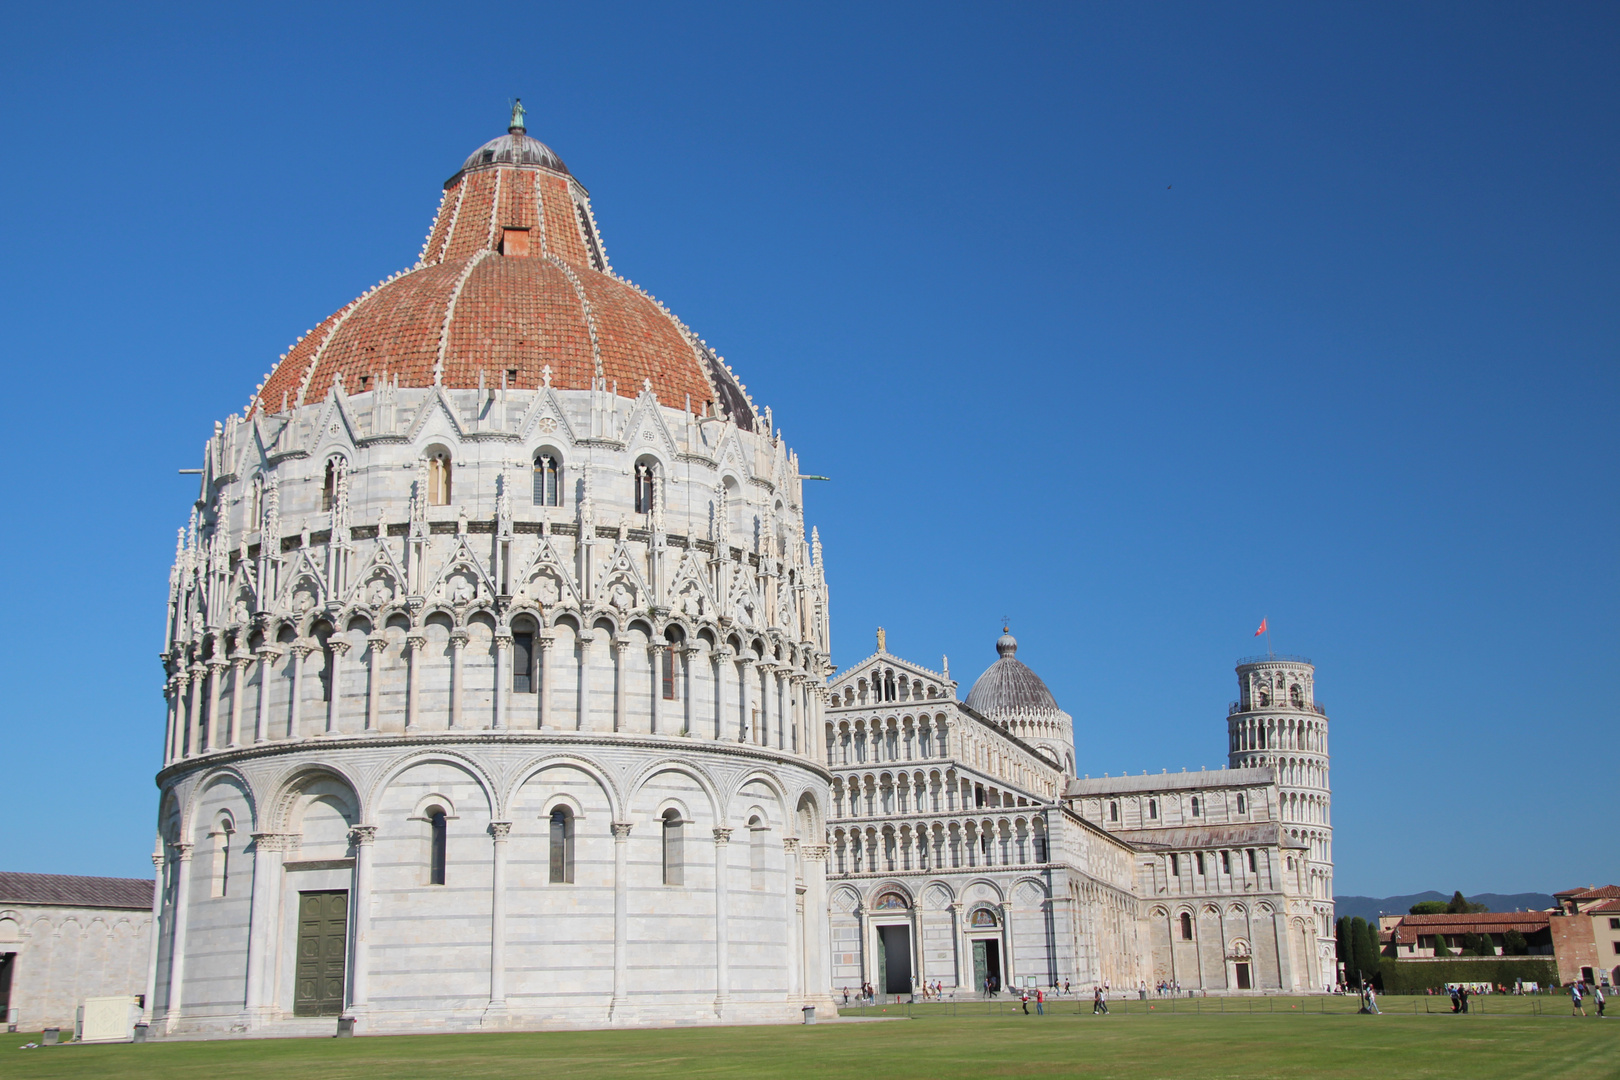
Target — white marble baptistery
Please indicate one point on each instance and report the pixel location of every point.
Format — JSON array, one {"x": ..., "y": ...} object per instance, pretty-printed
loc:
[{"x": 493, "y": 662}]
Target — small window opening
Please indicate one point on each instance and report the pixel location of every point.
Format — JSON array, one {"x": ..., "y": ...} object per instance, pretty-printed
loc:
[
  {"x": 1153, "y": 808},
  {"x": 757, "y": 834},
  {"x": 667, "y": 673},
  {"x": 547, "y": 481},
  {"x": 514, "y": 242},
  {"x": 1175, "y": 866},
  {"x": 438, "y": 492},
  {"x": 1186, "y": 926},
  {"x": 645, "y": 479},
  {"x": 673, "y": 869},
  {"x": 1199, "y": 858},
  {"x": 523, "y": 662},
  {"x": 329, "y": 487},
  {"x": 1195, "y": 806},
  {"x": 438, "y": 842},
  {"x": 1243, "y": 804},
  {"x": 1253, "y": 868},
  {"x": 562, "y": 846},
  {"x": 1113, "y": 811},
  {"x": 1226, "y": 862}
]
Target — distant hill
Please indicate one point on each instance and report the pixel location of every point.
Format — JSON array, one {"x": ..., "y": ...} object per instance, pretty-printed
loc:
[{"x": 1370, "y": 907}]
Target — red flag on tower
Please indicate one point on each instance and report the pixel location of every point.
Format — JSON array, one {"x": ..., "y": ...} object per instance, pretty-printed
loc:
[{"x": 1262, "y": 629}]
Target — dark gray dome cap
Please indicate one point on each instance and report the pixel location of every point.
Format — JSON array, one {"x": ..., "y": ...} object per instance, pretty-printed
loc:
[{"x": 513, "y": 148}]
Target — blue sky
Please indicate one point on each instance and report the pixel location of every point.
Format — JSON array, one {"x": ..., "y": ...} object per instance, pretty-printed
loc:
[{"x": 1131, "y": 323}]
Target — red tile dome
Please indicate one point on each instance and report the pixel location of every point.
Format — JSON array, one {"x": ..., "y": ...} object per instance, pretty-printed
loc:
[{"x": 513, "y": 280}]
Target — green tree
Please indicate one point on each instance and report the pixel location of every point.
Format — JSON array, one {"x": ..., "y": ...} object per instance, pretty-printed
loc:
[
  {"x": 1477, "y": 945},
  {"x": 1364, "y": 950},
  {"x": 1372, "y": 951},
  {"x": 1514, "y": 944},
  {"x": 1440, "y": 946},
  {"x": 1347, "y": 952},
  {"x": 1460, "y": 906},
  {"x": 1430, "y": 907}
]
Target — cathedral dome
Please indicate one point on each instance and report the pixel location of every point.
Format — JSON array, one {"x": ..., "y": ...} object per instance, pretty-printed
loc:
[
  {"x": 1009, "y": 686},
  {"x": 512, "y": 281}
]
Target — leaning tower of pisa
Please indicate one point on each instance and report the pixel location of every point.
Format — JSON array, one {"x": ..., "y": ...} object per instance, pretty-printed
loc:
[{"x": 1278, "y": 723}]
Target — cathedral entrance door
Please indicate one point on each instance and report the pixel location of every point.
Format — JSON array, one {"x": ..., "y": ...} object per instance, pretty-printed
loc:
[
  {"x": 1242, "y": 975},
  {"x": 894, "y": 959},
  {"x": 323, "y": 952},
  {"x": 986, "y": 964}
]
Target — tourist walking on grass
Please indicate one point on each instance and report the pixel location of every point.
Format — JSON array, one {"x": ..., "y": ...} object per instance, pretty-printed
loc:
[
  {"x": 1099, "y": 1004},
  {"x": 1597, "y": 999},
  {"x": 1040, "y": 1002},
  {"x": 1023, "y": 999},
  {"x": 1575, "y": 1000},
  {"x": 1372, "y": 1000}
]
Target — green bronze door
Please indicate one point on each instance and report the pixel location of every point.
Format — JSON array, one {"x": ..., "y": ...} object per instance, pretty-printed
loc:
[
  {"x": 981, "y": 965},
  {"x": 323, "y": 951}
]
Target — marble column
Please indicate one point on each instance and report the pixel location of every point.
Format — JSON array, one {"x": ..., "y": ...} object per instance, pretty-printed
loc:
[
  {"x": 374, "y": 655},
  {"x": 503, "y": 676},
  {"x": 686, "y": 653},
  {"x": 587, "y": 642},
  {"x": 268, "y": 850},
  {"x": 334, "y": 686},
  {"x": 745, "y": 699},
  {"x": 546, "y": 642},
  {"x": 722, "y": 664},
  {"x": 794, "y": 913},
  {"x": 300, "y": 650},
  {"x": 458, "y": 648},
  {"x": 1009, "y": 959},
  {"x": 171, "y": 741},
  {"x": 722, "y": 962},
  {"x": 189, "y": 745},
  {"x": 216, "y": 672},
  {"x": 498, "y": 832},
  {"x": 158, "y": 861},
  {"x": 239, "y": 666},
  {"x": 620, "y": 690},
  {"x": 261, "y": 717},
  {"x": 818, "y": 928},
  {"x": 177, "y": 947},
  {"x": 658, "y": 653},
  {"x": 414, "y": 644},
  {"x": 362, "y": 837},
  {"x": 963, "y": 948},
  {"x": 621, "y": 917}
]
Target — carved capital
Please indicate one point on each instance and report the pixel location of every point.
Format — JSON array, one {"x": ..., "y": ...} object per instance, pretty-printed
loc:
[
  {"x": 378, "y": 642},
  {"x": 268, "y": 653},
  {"x": 459, "y": 638},
  {"x": 182, "y": 850},
  {"x": 338, "y": 646},
  {"x": 157, "y": 861},
  {"x": 722, "y": 835},
  {"x": 362, "y": 835},
  {"x": 815, "y": 852},
  {"x": 415, "y": 642},
  {"x": 302, "y": 648},
  {"x": 790, "y": 844},
  {"x": 621, "y": 830},
  {"x": 546, "y": 642},
  {"x": 503, "y": 639},
  {"x": 269, "y": 841},
  {"x": 499, "y": 830}
]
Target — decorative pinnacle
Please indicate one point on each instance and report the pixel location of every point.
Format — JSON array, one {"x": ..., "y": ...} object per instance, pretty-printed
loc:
[{"x": 517, "y": 127}]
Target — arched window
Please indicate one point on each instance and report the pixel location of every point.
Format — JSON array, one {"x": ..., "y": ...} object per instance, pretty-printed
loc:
[
  {"x": 1186, "y": 926},
  {"x": 438, "y": 843},
  {"x": 222, "y": 858},
  {"x": 1195, "y": 806},
  {"x": 523, "y": 674},
  {"x": 562, "y": 846},
  {"x": 329, "y": 485},
  {"x": 673, "y": 869},
  {"x": 547, "y": 480},
  {"x": 757, "y": 831},
  {"x": 1296, "y": 697},
  {"x": 1113, "y": 811},
  {"x": 1153, "y": 808},
  {"x": 438, "y": 469},
  {"x": 646, "y": 479},
  {"x": 1199, "y": 858},
  {"x": 1226, "y": 862},
  {"x": 1243, "y": 804}
]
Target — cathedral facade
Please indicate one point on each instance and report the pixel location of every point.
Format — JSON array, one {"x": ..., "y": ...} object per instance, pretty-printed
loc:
[
  {"x": 499, "y": 694},
  {"x": 966, "y": 852}
]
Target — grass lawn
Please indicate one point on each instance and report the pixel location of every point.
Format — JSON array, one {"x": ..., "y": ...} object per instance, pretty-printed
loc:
[{"x": 1140, "y": 1046}]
